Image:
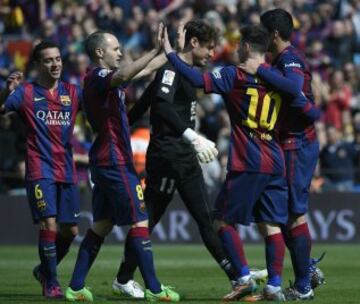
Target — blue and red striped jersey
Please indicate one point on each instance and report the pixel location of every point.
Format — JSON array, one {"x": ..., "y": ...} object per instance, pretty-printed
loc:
[
  {"x": 254, "y": 112},
  {"x": 296, "y": 129},
  {"x": 49, "y": 118},
  {"x": 106, "y": 112}
]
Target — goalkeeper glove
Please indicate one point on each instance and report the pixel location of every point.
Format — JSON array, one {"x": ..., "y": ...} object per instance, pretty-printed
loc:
[{"x": 205, "y": 149}]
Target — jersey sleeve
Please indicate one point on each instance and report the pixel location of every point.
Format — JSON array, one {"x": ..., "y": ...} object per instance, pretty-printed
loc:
[
  {"x": 220, "y": 81},
  {"x": 291, "y": 78},
  {"x": 101, "y": 79},
  {"x": 308, "y": 110},
  {"x": 193, "y": 75},
  {"x": 15, "y": 100}
]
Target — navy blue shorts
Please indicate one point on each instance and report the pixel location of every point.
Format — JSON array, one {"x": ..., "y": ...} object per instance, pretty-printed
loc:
[
  {"x": 117, "y": 195},
  {"x": 247, "y": 197},
  {"x": 300, "y": 167},
  {"x": 48, "y": 198}
]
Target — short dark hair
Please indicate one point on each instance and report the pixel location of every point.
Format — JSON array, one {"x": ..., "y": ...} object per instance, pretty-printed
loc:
[
  {"x": 45, "y": 44},
  {"x": 202, "y": 30},
  {"x": 278, "y": 20},
  {"x": 93, "y": 41},
  {"x": 257, "y": 36}
]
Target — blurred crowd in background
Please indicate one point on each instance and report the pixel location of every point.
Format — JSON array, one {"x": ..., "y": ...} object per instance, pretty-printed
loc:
[{"x": 328, "y": 32}]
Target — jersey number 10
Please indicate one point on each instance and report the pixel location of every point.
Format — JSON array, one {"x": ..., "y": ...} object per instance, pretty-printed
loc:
[{"x": 267, "y": 120}]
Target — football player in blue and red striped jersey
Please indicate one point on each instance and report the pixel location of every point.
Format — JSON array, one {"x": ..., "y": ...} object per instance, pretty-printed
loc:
[
  {"x": 48, "y": 108},
  {"x": 117, "y": 195},
  {"x": 255, "y": 188},
  {"x": 299, "y": 142}
]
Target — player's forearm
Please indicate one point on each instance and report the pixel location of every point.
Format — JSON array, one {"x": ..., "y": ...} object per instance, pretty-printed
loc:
[
  {"x": 292, "y": 84},
  {"x": 311, "y": 112},
  {"x": 129, "y": 69},
  {"x": 152, "y": 66},
  {"x": 306, "y": 108},
  {"x": 194, "y": 76}
]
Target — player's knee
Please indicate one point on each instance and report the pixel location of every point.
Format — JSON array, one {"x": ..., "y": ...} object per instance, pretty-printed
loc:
[
  {"x": 218, "y": 225},
  {"x": 296, "y": 220},
  {"x": 141, "y": 224},
  {"x": 102, "y": 228},
  {"x": 69, "y": 231},
  {"x": 267, "y": 229},
  {"x": 48, "y": 224}
]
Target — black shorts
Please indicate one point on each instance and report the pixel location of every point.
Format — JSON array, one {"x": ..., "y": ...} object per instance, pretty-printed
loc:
[{"x": 164, "y": 176}]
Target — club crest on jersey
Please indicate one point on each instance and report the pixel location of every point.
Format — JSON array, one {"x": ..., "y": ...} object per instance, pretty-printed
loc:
[
  {"x": 168, "y": 77},
  {"x": 142, "y": 207},
  {"x": 41, "y": 205},
  {"x": 65, "y": 100},
  {"x": 103, "y": 72}
]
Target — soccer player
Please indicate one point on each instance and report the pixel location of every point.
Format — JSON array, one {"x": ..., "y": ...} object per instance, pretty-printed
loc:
[
  {"x": 48, "y": 108},
  {"x": 117, "y": 192},
  {"x": 255, "y": 186},
  {"x": 175, "y": 149},
  {"x": 299, "y": 142}
]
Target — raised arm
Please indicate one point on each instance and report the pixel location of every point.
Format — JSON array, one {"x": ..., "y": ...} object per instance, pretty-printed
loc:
[
  {"x": 151, "y": 67},
  {"x": 193, "y": 75},
  {"x": 290, "y": 81},
  {"x": 128, "y": 69},
  {"x": 12, "y": 83}
]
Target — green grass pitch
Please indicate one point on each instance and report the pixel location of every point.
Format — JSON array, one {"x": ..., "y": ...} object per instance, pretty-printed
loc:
[{"x": 189, "y": 268}]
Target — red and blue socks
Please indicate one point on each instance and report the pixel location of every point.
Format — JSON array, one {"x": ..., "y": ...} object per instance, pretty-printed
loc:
[
  {"x": 47, "y": 253},
  {"x": 300, "y": 250},
  {"x": 234, "y": 249},
  {"x": 274, "y": 252},
  {"x": 139, "y": 242},
  {"x": 88, "y": 251}
]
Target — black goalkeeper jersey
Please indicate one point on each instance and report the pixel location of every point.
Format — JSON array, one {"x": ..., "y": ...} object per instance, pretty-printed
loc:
[{"x": 173, "y": 109}]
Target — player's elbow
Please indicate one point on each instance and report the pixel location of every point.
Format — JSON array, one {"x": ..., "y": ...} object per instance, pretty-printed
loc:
[{"x": 119, "y": 78}]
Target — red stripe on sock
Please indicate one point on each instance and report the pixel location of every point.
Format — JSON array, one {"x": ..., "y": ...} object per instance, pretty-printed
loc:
[
  {"x": 237, "y": 242},
  {"x": 139, "y": 232},
  {"x": 47, "y": 235},
  {"x": 302, "y": 229},
  {"x": 279, "y": 244}
]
